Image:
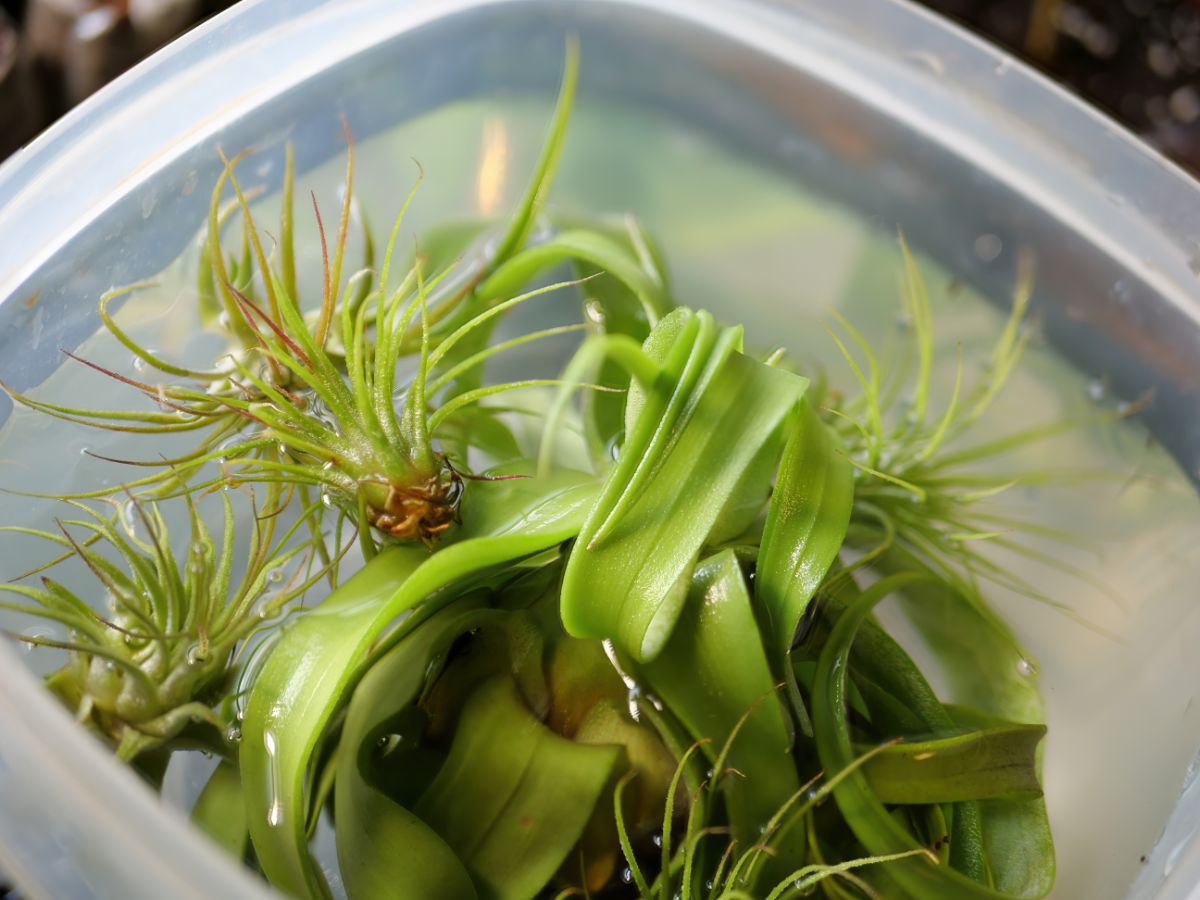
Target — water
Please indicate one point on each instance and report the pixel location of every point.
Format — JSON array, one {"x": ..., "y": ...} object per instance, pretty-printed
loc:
[{"x": 1124, "y": 724}]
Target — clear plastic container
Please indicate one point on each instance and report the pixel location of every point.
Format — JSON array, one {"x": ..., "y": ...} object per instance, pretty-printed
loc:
[{"x": 886, "y": 113}]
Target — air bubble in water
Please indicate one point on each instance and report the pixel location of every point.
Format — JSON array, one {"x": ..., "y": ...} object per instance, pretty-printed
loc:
[{"x": 988, "y": 247}]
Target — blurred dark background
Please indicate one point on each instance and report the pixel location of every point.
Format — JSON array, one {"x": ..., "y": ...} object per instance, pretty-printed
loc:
[{"x": 1139, "y": 60}]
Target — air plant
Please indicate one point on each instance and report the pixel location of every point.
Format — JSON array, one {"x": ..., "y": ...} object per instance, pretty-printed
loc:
[
  {"x": 313, "y": 399},
  {"x": 158, "y": 656},
  {"x": 923, "y": 489}
]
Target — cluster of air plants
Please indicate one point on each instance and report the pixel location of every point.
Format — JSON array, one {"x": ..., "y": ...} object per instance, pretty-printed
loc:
[{"x": 660, "y": 676}]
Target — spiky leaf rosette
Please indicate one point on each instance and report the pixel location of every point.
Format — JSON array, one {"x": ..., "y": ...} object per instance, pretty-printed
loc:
[
  {"x": 157, "y": 658},
  {"x": 311, "y": 398},
  {"x": 922, "y": 486}
]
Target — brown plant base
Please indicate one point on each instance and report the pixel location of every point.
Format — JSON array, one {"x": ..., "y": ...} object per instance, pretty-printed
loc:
[{"x": 418, "y": 512}]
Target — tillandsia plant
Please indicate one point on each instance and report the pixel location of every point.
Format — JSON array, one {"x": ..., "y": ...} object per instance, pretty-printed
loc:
[
  {"x": 159, "y": 656},
  {"x": 639, "y": 659}
]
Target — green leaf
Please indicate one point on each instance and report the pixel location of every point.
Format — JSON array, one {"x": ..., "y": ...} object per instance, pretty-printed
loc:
[
  {"x": 622, "y": 313},
  {"x": 320, "y": 655},
  {"x": 867, "y": 817},
  {"x": 513, "y": 797},
  {"x": 385, "y": 850},
  {"x": 543, "y": 176},
  {"x": 902, "y": 703},
  {"x": 628, "y": 573},
  {"x": 1016, "y": 832},
  {"x": 806, "y": 524},
  {"x": 586, "y": 246},
  {"x": 986, "y": 669},
  {"x": 712, "y": 690},
  {"x": 975, "y": 765},
  {"x": 220, "y": 810}
]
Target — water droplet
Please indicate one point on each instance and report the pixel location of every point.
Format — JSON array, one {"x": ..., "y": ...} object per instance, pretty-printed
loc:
[
  {"x": 139, "y": 364},
  {"x": 988, "y": 247},
  {"x": 196, "y": 655},
  {"x": 326, "y": 498},
  {"x": 85, "y": 451},
  {"x": 657, "y": 839},
  {"x": 131, "y": 520},
  {"x": 627, "y": 875},
  {"x": 34, "y": 633},
  {"x": 926, "y": 60},
  {"x": 275, "y": 808},
  {"x": 594, "y": 312},
  {"x": 234, "y": 734},
  {"x": 1026, "y": 668},
  {"x": 1096, "y": 389},
  {"x": 275, "y": 575}
]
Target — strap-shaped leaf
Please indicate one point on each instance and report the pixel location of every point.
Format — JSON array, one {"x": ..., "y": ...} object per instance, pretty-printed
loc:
[
  {"x": 513, "y": 797},
  {"x": 385, "y": 850},
  {"x": 806, "y": 524},
  {"x": 694, "y": 435},
  {"x": 712, "y": 674},
  {"x": 987, "y": 671},
  {"x": 321, "y": 654},
  {"x": 903, "y": 703},
  {"x": 874, "y": 826},
  {"x": 976, "y": 765}
]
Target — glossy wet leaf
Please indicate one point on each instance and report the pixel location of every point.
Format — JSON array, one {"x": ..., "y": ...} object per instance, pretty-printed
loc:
[
  {"x": 806, "y": 525},
  {"x": 870, "y": 820},
  {"x": 385, "y": 850},
  {"x": 628, "y": 573},
  {"x": 513, "y": 798},
  {"x": 712, "y": 675},
  {"x": 978, "y": 764},
  {"x": 320, "y": 656}
]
